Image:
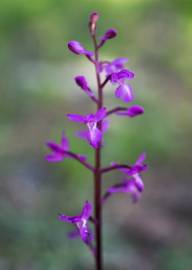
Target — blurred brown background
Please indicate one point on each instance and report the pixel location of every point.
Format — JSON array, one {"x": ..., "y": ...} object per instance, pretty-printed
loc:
[{"x": 37, "y": 89}]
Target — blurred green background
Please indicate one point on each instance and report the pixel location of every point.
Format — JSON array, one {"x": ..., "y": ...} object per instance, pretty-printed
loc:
[{"x": 37, "y": 89}]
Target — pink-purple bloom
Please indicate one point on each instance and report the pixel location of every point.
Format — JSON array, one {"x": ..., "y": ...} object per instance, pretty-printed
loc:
[
  {"x": 114, "y": 66},
  {"x": 76, "y": 47},
  {"x": 123, "y": 91},
  {"x": 59, "y": 151},
  {"x": 117, "y": 74},
  {"x": 93, "y": 135},
  {"x": 132, "y": 183},
  {"x": 123, "y": 74},
  {"x": 81, "y": 223},
  {"x": 106, "y": 72}
]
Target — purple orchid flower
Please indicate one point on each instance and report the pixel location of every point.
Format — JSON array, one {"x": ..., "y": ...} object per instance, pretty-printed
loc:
[
  {"x": 117, "y": 74},
  {"x": 61, "y": 151},
  {"x": 93, "y": 135},
  {"x": 133, "y": 183},
  {"x": 76, "y": 47},
  {"x": 81, "y": 223},
  {"x": 132, "y": 111},
  {"x": 138, "y": 166},
  {"x": 123, "y": 91},
  {"x": 58, "y": 150},
  {"x": 114, "y": 66},
  {"x": 135, "y": 170}
]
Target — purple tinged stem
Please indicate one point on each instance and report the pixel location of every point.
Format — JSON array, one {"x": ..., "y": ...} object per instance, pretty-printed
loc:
[
  {"x": 105, "y": 81},
  {"x": 116, "y": 109},
  {"x": 83, "y": 162},
  {"x": 97, "y": 172},
  {"x": 115, "y": 167}
]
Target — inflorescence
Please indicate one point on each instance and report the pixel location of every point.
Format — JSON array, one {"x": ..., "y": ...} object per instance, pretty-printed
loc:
[{"x": 96, "y": 124}]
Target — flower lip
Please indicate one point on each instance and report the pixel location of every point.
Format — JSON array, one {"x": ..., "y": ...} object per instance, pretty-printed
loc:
[{"x": 124, "y": 92}]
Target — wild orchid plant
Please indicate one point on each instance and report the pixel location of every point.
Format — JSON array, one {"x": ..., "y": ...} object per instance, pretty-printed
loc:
[{"x": 97, "y": 124}]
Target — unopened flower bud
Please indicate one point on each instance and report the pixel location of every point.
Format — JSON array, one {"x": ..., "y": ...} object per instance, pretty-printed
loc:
[
  {"x": 76, "y": 47},
  {"x": 81, "y": 82},
  {"x": 109, "y": 34},
  {"x": 94, "y": 17}
]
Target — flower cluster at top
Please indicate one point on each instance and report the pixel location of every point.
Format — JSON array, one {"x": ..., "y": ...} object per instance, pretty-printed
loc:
[{"x": 96, "y": 124}]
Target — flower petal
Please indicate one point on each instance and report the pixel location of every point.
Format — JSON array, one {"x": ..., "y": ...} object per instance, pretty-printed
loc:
[
  {"x": 138, "y": 182},
  {"x": 55, "y": 147},
  {"x": 64, "y": 142},
  {"x": 127, "y": 186},
  {"x": 85, "y": 233},
  {"x": 95, "y": 135},
  {"x": 141, "y": 158},
  {"x": 74, "y": 234},
  {"x": 54, "y": 157},
  {"x": 84, "y": 135},
  {"x": 69, "y": 219},
  {"x": 114, "y": 66},
  {"x": 77, "y": 118},
  {"x": 119, "y": 62},
  {"x": 121, "y": 75},
  {"x": 124, "y": 92},
  {"x": 105, "y": 125},
  {"x": 87, "y": 210},
  {"x": 100, "y": 114}
]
